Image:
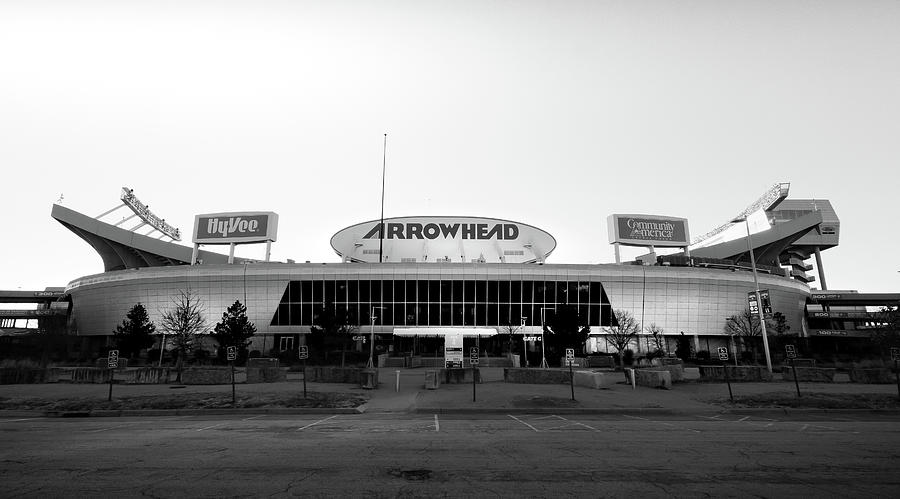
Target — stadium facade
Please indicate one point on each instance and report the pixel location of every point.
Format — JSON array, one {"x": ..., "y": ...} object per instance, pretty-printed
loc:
[{"x": 424, "y": 274}]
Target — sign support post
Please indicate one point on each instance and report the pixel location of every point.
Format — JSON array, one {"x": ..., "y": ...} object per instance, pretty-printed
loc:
[
  {"x": 570, "y": 359},
  {"x": 473, "y": 359},
  {"x": 232, "y": 355},
  {"x": 791, "y": 353},
  {"x": 303, "y": 353},
  {"x": 723, "y": 356},
  {"x": 112, "y": 362}
]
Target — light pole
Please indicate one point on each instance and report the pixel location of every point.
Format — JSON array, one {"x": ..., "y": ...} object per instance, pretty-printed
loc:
[
  {"x": 543, "y": 352},
  {"x": 759, "y": 308},
  {"x": 371, "y": 363}
]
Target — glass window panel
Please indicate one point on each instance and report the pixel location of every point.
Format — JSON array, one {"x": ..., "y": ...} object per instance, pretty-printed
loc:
[
  {"x": 596, "y": 292},
  {"x": 364, "y": 295},
  {"x": 422, "y": 291},
  {"x": 457, "y": 291},
  {"x": 353, "y": 314},
  {"x": 318, "y": 293},
  {"x": 549, "y": 292},
  {"x": 410, "y": 291},
  {"x": 306, "y": 318},
  {"x": 469, "y": 314},
  {"x": 387, "y": 291},
  {"x": 434, "y": 314},
  {"x": 532, "y": 314},
  {"x": 306, "y": 286},
  {"x": 492, "y": 319},
  {"x": 527, "y": 291},
  {"x": 317, "y": 310},
  {"x": 421, "y": 314},
  {"x": 492, "y": 292},
  {"x": 481, "y": 291},
  {"x": 446, "y": 293},
  {"x": 572, "y": 292},
  {"x": 459, "y": 315},
  {"x": 295, "y": 316},
  {"x": 399, "y": 291},
  {"x": 504, "y": 314},
  {"x": 445, "y": 320},
  {"x": 284, "y": 316},
  {"x": 515, "y": 314},
  {"x": 399, "y": 315},
  {"x": 375, "y": 291},
  {"x": 515, "y": 292},
  {"x": 539, "y": 291},
  {"x": 469, "y": 292},
  {"x": 352, "y": 290},
  {"x": 606, "y": 315},
  {"x": 504, "y": 294},
  {"x": 385, "y": 315},
  {"x": 340, "y": 310},
  {"x": 294, "y": 292},
  {"x": 340, "y": 291},
  {"x": 594, "y": 314},
  {"x": 584, "y": 293},
  {"x": 434, "y": 293},
  {"x": 582, "y": 315},
  {"x": 480, "y": 314}
]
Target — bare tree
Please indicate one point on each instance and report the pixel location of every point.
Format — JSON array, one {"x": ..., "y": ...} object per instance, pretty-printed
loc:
[
  {"x": 622, "y": 333},
  {"x": 746, "y": 326},
  {"x": 183, "y": 323},
  {"x": 659, "y": 341}
]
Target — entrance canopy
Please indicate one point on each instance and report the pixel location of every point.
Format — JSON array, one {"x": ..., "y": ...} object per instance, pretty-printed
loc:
[{"x": 442, "y": 332}]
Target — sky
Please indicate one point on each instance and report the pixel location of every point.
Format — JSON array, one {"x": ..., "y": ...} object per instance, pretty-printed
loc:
[{"x": 550, "y": 113}]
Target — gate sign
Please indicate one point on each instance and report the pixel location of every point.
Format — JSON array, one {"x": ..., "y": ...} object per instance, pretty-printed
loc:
[
  {"x": 754, "y": 305},
  {"x": 723, "y": 353},
  {"x": 473, "y": 355},
  {"x": 232, "y": 353},
  {"x": 766, "y": 303},
  {"x": 895, "y": 353},
  {"x": 303, "y": 352},
  {"x": 790, "y": 352},
  {"x": 112, "y": 361}
]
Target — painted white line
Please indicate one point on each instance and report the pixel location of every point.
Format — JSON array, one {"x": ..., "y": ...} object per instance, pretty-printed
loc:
[
  {"x": 586, "y": 426},
  {"x": 437, "y": 424},
  {"x": 14, "y": 420},
  {"x": 523, "y": 422},
  {"x": 804, "y": 427},
  {"x": 552, "y": 416},
  {"x": 253, "y": 417},
  {"x": 745, "y": 418},
  {"x": 208, "y": 427},
  {"x": 663, "y": 423},
  {"x": 109, "y": 428},
  {"x": 317, "y": 422}
]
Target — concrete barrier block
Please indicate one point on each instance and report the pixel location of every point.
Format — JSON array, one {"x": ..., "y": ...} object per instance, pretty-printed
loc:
[
  {"x": 877, "y": 375},
  {"x": 264, "y": 375},
  {"x": 262, "y": 362},
  {"x": 205, "y": 375},
  {"x": 459, "y": 375},
  {"x": 813, "y": 374},
  {"x": 593, "y": 379},
  {"x": 432, "y": 380},
  {"x": 735, "y": 373},
  {"x": 653, "y": 378}
]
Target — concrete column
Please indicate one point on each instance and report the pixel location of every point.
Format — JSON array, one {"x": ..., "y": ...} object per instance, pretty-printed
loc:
[
  {"x": 231, "y": 253},
  {"x": 820, "y": 269}
]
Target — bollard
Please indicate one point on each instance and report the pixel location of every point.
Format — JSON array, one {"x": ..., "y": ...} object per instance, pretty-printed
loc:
[{"x": 397, "y": 384}]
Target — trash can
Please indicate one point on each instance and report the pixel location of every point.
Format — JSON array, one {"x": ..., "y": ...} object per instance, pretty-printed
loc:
[
  {"x": 432, "y": 382},
  {"x": 369, "y": 379}
]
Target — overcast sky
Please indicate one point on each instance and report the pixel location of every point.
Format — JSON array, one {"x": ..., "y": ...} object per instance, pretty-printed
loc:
[{"x": 554, "y": 114}]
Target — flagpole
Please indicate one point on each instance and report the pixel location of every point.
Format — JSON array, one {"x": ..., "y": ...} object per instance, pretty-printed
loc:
[{"x": 381, "y": 227}]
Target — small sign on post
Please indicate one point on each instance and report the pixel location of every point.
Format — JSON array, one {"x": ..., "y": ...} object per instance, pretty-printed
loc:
[
  {"x": 791, "y": 352},
  {"x": 232, "y": 353},
  {"x": 895, "y": 356},
  {"x": 723, "y": 353},
  {"x": 570, "y": 361}
]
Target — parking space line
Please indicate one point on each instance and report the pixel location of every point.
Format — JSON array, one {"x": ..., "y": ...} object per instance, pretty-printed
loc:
[
  {"x": 523, "y": 422},
  {"x": 253, "y": 417},
  {"x": 317, "y": 422},
  {"x": 663, "y": 423},
  {"x": 437, "y": 424},
  {"x": 14, "y": 420},
  {"x": 109, "y": 428},
  {"x": 213, "y": 426}
]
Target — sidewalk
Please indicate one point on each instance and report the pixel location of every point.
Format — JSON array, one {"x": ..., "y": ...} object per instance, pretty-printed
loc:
[{"x": 492, "y": 395}]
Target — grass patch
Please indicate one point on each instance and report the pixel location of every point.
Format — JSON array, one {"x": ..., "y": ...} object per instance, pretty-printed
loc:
[
  {"x": 816, "y": 401},
  {"x": 189, "y": 401}
]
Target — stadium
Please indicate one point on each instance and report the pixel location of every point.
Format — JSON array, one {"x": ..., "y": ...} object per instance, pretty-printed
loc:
[{"x": 415, "y": 282}]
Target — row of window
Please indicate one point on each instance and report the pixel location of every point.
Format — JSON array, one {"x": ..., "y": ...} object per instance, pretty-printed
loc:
[
  {"x": 435, "y": 314},
  {"x": 444, "y": 291}
]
